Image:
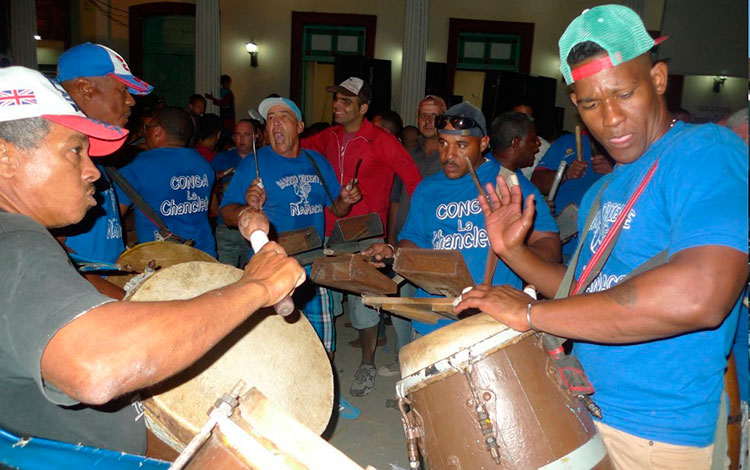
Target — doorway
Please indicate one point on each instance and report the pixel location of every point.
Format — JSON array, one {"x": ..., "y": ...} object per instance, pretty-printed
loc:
[
  {"x": 162, "y": 49},
  {"x": 317, "y": 40}
]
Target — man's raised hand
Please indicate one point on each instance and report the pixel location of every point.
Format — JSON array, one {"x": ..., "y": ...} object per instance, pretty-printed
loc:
[{"x": 506, "y": 222}]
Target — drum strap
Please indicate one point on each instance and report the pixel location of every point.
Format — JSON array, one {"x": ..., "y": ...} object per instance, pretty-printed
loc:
[
  {"x": 569, "y": 369},
  {"x": 323, "y": 182},
  {"x": 139, "y": 202},
  {"x": 601, "y": 255}
]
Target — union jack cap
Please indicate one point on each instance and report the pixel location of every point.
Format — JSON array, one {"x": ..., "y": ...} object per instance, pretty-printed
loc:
[
  {"x": 95, "y": 60},
  {"x": 26, "y": 93}
]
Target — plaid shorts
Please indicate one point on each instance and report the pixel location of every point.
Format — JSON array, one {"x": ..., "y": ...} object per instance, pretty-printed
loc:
[{"x": 317, "y": 305}]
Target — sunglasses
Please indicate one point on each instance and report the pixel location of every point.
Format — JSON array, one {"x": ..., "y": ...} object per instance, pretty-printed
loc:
[{"x": 459, "y": 123}]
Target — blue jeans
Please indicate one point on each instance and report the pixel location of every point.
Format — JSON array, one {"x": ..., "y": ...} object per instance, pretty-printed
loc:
[{"x": 231, "y": 246}]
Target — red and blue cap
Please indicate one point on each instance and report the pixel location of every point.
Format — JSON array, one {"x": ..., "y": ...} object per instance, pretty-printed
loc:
[
  {"x": 26, "y": 93},
  {"x": 95, "y": 60}
]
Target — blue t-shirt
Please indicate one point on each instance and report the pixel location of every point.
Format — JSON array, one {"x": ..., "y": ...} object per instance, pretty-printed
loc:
[
  {"x": 571, "y": 191},
  {"x": 100, "y": 236},
  {"x": 222, "y": 162},
  {"x": 445, "y": 215},
  {"x": 740, "y": 350},
  {"x": 295, "y": 198},
  {"x": 176, "y": 183},
  {"x": 667, "y": 390}
]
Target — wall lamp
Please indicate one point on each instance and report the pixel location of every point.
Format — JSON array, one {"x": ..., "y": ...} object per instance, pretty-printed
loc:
[
  {"x": 252, "y": 49},
  {"x": 719, "y": 82}
]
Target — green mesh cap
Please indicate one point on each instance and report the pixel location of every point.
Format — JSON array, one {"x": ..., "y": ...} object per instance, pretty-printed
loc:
[{"x": 617, "y": 29}]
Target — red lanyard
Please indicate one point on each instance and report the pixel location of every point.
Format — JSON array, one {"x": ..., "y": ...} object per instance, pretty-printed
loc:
[{"x": 613, "y": 230}]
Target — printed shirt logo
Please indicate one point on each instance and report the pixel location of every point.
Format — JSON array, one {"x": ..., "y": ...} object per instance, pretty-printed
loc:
[
  {"x": 600, "y": 226},
  {"x": 114, "y": 227},
  {"x": 17, "y": 97},
  {"x": 604, "y": 219},
  {"x": 467, "y": 234},
  {"x": 193, "y": 202},
  {"x": 302, "y": 185}
]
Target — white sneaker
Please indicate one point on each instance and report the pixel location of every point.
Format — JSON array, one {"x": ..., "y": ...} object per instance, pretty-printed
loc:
[{"x": 389, "y": 370}]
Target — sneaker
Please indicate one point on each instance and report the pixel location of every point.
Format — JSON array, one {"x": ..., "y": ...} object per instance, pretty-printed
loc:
[
  {"x": 364, "y": 380},
  {"x": 347, "y": 410},
  {"x": 389, "y": 370}
]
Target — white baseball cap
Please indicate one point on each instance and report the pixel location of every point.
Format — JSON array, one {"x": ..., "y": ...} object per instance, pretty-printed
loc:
[{"x": 26, "y": 93}]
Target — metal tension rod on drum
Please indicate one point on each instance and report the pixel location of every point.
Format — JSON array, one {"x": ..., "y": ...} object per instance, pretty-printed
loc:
[
  {"x": 483, "y": 418},
  {"x": 224, "y": 407}
]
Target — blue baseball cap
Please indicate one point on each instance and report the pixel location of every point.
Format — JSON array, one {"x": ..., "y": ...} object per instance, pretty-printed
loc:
[
  {"x": 95, "y": 60},
  {"x": 267, "y": 103}
]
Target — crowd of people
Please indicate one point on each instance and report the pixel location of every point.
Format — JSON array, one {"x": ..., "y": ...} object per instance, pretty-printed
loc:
[{"x": 647, "y": 186}]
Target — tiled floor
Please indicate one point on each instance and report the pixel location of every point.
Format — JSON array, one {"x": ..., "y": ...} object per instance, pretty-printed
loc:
[{"x": 376, "y": 438}]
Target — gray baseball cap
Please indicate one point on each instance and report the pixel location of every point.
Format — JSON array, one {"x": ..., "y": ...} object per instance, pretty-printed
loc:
[{"x": 465, "y": 118}]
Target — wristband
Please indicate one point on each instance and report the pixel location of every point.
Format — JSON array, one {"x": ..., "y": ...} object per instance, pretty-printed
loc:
[
  {"x": 393, "y": 250},
  {"x": 528, "y": 317}
]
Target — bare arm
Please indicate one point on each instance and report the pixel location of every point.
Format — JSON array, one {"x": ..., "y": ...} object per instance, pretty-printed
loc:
[
  {"x": 542, "y": 178},
  {"x": 231, "y": 212},
  {"x": 348, "y": 196},
  {"x": 546, "y": 245},
  {"x": 137, "y": 344},
  {"x": 695, "y": 290},
  {"x": 392, "y": 213},
  {"x": 255, "y": 197},
  {"x": 507, "y": 229}
]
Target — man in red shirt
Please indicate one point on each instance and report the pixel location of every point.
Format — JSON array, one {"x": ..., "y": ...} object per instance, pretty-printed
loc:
[{"x": 356, "y": 138}]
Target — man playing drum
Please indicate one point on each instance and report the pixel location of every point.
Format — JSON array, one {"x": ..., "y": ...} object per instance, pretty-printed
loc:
[
  {"x": 654, "y": 345},
  {"x": 445, "y": 213},
  {"x": 293, "y": 189},
  {"x": 71, "y": 357}
]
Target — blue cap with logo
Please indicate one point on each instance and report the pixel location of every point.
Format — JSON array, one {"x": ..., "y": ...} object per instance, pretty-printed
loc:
[{"x": 95, "y": 60}]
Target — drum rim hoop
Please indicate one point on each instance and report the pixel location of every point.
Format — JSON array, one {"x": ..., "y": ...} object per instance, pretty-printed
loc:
[{"x": 458, "y": 360}]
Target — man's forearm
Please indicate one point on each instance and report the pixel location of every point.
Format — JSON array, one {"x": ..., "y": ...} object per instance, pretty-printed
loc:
[
  {"x": 694, "y": 291},
  {"x": 529, "y": 266},
  {"x": 546, "y": 246},
  {"x": 542, "y": 179},
  {"x": 392, "y": 213},
  {"x": 231, "y": 213},
  {"x": 339, "y": 208}
]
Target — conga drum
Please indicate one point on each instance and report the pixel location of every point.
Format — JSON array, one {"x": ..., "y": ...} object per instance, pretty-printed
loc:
[
  {"x": 159, "y": 254},
  {"x": 477, "y": 395},
  {"x": 282, "y": 358}
]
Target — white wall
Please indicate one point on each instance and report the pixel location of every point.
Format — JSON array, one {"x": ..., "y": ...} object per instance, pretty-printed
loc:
[{"x": 270, "y": 24}]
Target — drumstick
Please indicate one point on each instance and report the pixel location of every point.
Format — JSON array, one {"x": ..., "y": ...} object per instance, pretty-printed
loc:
[
  {"x": 257, "y": 169},
  {"x": 579, "y": 152},
  {"x": 254, "y": 227},
  {"x": 474, "y": 178},
  {"x": 258, "y": 240},
  {"x": 557, "y": 180},
  {"x": 491, "y": 265},
  {"x": 354, "y": 178}
]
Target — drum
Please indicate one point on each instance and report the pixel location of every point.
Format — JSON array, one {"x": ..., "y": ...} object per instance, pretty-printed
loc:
[
  {"x": 483, "y": 396},
  {"x": 159, "y": 255},
  {"x": 258, "y": 436},
  {"x": 281, "y": 357}
]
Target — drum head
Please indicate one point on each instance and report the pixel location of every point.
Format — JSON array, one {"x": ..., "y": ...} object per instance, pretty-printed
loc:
[
  {"x": 164, "y": 254},
  {"x": 447, "y": 341},
  {"x": 283, "y": 358}
]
